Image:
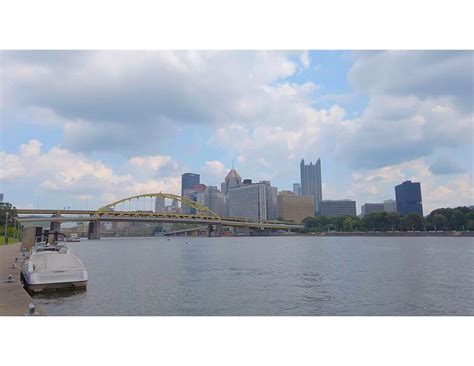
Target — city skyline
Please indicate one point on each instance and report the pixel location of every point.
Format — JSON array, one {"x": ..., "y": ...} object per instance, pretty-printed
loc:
[{"x": 264, "y": 110}]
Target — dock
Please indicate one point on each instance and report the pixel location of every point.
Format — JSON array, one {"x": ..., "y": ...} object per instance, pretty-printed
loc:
[{"x": 14, "y": 300}]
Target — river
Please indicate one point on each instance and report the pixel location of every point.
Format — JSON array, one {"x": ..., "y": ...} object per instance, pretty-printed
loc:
[{"x": 272, "y": 276}]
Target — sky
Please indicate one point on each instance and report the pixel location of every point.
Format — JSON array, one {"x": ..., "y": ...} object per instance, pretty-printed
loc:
[{"x": 85, "y": 128}]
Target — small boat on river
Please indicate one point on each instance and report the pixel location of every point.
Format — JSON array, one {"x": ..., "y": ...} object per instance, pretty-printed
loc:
[
  {"x": 73, "y": 238},
  {"x": 50, "y": 266}
]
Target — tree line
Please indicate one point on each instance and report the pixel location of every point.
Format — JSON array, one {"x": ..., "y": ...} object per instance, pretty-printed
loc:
[{"x": 441, "y": 219}]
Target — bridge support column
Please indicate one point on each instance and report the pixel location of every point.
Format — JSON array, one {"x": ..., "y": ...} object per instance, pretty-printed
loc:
[
  {"x": 54, "y": 226},
  {"x": 218, "y": 229},
  {"x": 94, "y": 230},
  {"x": 210, "y": 229},
  {"x": 247, "y": 231}
]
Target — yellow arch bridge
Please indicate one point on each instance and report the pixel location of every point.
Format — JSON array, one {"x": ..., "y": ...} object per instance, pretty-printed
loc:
[{"x": 140, "y": 208}]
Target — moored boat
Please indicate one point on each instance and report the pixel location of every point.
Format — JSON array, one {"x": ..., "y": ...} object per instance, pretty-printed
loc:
[
  {"x": 73, "y": 238},
  {"x": 52, "y": 267}
]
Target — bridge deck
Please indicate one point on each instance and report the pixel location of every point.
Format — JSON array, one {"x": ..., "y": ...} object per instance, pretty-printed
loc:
[{"x": 145, "y": 216}]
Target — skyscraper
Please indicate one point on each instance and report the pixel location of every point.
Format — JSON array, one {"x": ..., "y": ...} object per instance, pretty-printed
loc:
[
  {"x": 253, "y": 200},
  {"x": 297, "y": 189},
  {"x": 408, "y": 196},
  {"x": 160, "y": 204},
  {"x": 311, "y": 182},
  {"x": 232, "y": 180},
  {"x": 213, "y": 199},
  {"x": 188, "y": 180}
]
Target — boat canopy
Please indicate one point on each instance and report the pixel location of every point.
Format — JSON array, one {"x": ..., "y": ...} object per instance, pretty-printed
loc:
[{"x": 54, "y": 261}]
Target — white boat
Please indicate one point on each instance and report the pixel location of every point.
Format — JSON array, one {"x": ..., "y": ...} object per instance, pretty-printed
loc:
[
  {"x": 73, "y": 238},
  {"x": 52, "y": 267}
]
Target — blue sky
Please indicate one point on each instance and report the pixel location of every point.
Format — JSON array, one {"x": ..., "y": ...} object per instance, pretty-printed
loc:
[{"x": 99, "y": 126}]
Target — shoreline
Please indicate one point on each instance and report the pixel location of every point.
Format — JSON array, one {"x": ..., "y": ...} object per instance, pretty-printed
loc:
[
  {"x": 451, "y": 234},
  {"x": 14, "y": 299}
]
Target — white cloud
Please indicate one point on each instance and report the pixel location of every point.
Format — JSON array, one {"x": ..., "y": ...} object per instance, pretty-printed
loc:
[
  {"x": 305, "y": 59},
  {"x": 73, "y": 175},
  {"x": 213, "y": 172},
  {"x": 127, "y": 100},
  {"x": 153, "y": 163}
]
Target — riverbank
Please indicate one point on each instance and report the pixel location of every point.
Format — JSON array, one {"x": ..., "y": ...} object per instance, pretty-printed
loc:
[
  {"x": 14, "y": 300},
  {"x": 400, "y": 234}
]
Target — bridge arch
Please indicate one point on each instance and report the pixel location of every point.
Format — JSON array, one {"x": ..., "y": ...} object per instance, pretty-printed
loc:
[{"x": 201, "y": 210}]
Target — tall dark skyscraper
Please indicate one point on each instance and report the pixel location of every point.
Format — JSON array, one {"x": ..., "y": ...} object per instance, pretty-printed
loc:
[
  {"x": 408, "y": 196},
  {"x": 311, "y": 182},
  {"x": 188, "y": 180}
]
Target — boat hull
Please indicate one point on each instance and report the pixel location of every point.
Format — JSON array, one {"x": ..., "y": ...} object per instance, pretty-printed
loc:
[
  {"x": 53, "y": 271},
  {"x": 80, "y": 285}
]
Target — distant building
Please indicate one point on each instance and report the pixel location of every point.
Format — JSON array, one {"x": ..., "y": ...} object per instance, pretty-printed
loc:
[
  {"x": 188, "y": 181},
  {"x": 232, "y": 180},
  {"x": 254, "y": 200},
  {"x": 200, "y": 188},
  {"x": 335, "y": 208},
  {"x": 192, "y": 195},
  {"x": 214, "y": 200},
  {"x": 297, "y": 189},
  {"x": 368, "y": 208},
  {"x": 1, "y": 197},
  {"x": 293, "y": 207},
  {"x": 408, "y": 196},
  {"x": 311, "y": 184},
  {"x": 390, "y": 206},
  {"x": 160, "y": 204}
]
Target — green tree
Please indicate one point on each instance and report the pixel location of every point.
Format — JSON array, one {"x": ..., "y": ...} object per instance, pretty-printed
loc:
[
  {"x": 4, "y": 208},
  {"x": 393, "y": 219},
  {"x": 414, "y": 221},
  {"x": 457, "y": 220},
  {"x": 470, "y": 225},
  {"x": 347, "y": 224},
  {"x": 310, "y": 222},
  {"x": 439, "y": 221}
]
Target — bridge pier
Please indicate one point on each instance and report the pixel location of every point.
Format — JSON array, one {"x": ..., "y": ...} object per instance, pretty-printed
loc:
[
  {"x": 54, "y": 225},
  {"x": 219, "y": 230},
  {"x": 247, "y": 231},
  {"x": 94, "y": 230}
]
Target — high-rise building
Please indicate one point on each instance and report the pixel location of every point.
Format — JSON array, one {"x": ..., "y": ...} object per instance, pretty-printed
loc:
[
  {"x": 1, "y": 197},
  {"x": 368, "y": 208},
  {"x": 254, "y": 200},
  {"x": 188, "y": 181},
  {"x": 390, "y": 206},
  {"x": 311, "y": 184},
  {"x": 335, "y": 208},
  {"x": 297, "y": 189},
  {"x": 160, "y": 204},
  {"x": 194, "y": 194},
  {"x": 293, "y": 207},
  {"x": 408, "y": 196},
  {"x": 232, "y": 180},
  {"x": 213, "y": 199}
]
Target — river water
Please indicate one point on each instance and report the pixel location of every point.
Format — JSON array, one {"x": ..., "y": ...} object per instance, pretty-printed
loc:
[{"x": 272, "y": 276}]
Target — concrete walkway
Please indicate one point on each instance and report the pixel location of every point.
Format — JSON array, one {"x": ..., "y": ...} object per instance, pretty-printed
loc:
[{"x": 14, "y": 300}]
